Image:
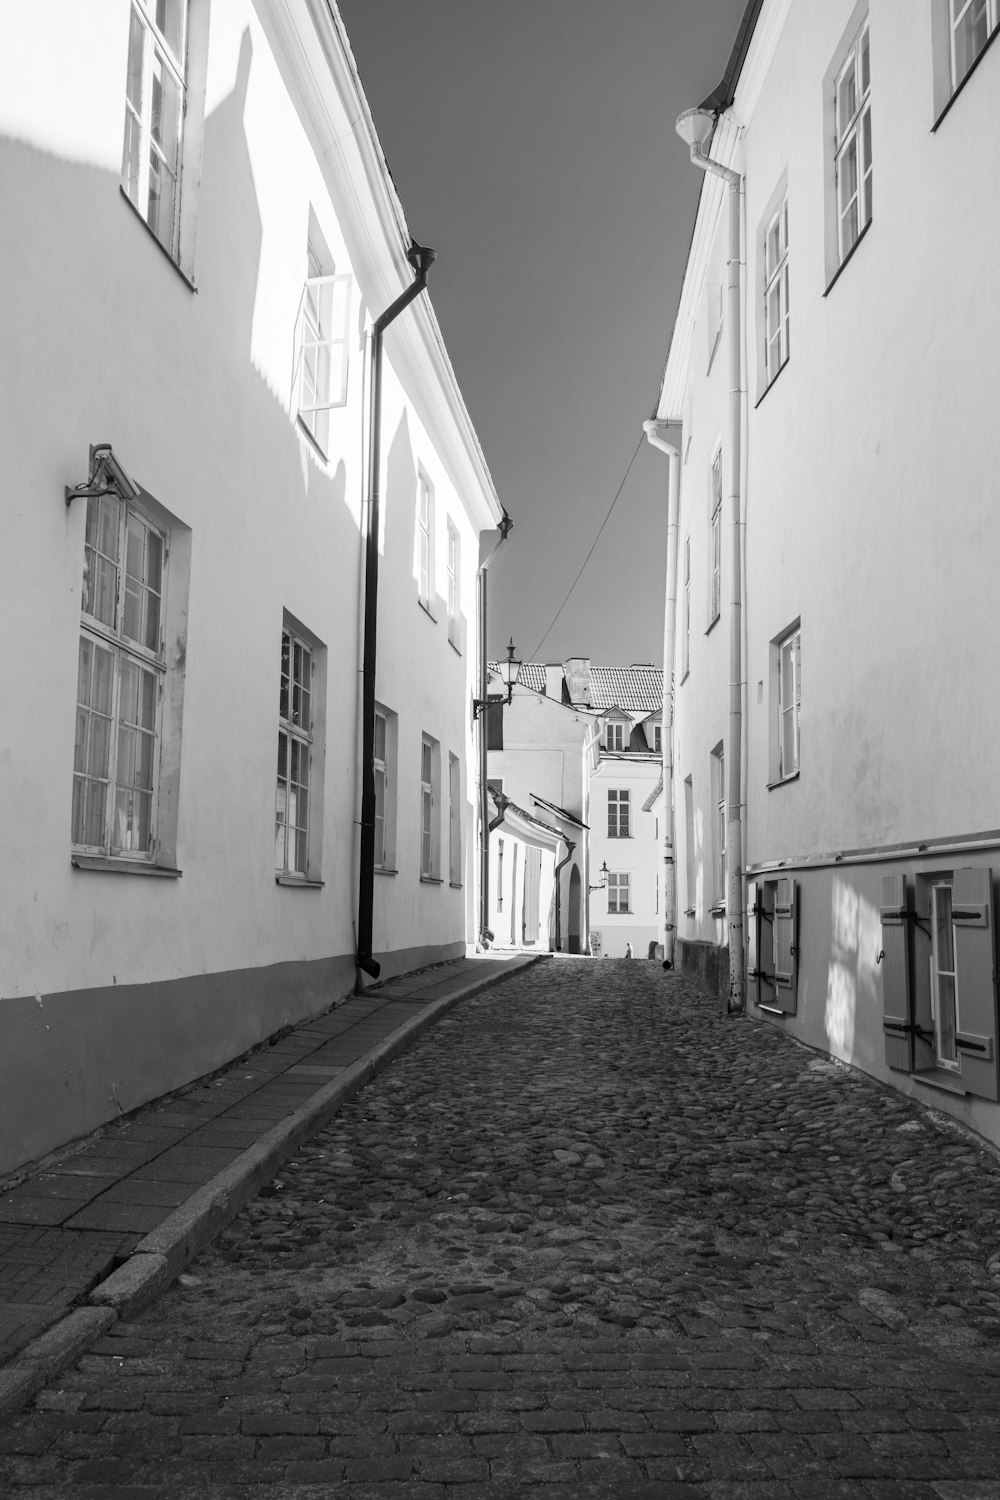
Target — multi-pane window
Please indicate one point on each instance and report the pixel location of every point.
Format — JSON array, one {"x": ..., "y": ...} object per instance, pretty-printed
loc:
[
  {"x": 619, "y": 808},
  {"x": 425, "y": 540},
  {"x": 944, "y": 979},
  {"x": 321, "y": 344},
  {"x": 971, "y": 24},
  {"x": 380, "y": 763},
  {"x": 614, "y": 735},
  {"x": 657, "y": 739},
  {"x": 426, "y": 806},
  {"x": 154, "y": 114},
  {"x": 454, "y": 820},
  {"x": 619, "y": 887},
  {"x": 853, "y": 130},
  {"x": 120, "y": 678},
  {"x": 776, "y": 292},
  {"x": 789, "y": 664},
  {"x": 686, "y": 630},
  {"x": 454, "y": 593},
  {"x": 719, "y": 823},
  {"x": 715, "y": 527},
  {"x": 295, "y": 730}
]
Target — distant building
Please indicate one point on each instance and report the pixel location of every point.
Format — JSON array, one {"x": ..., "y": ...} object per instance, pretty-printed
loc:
[
  {"x": 604, "y": 796},
  {"x": 834, "y": 540},
  {"x": 199, "y": 228}
]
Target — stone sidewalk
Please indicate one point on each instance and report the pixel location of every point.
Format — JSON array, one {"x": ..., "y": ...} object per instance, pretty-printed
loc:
[
  {"x": 113, "y": 1219},
  {"x": 587, "y": 1240}
]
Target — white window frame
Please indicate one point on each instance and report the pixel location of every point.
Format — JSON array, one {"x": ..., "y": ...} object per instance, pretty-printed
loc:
[
  {"x": 454, "y": 581},
  {"x": 944, "y": 1012},
  {"x": 157, "y": 59},
  {"x": 775, "y": 310},
  {"x": 852, "y": 136},
  {"x": 619, "y": 893},
  {"x": 296, "y": 719},
  {"x": 430, "y": 835},
  {"x": 715, "y": 532},
  {"x": 788, "y": 665},
  {"x": 958, "y": 11},
  {"x": 719, "y": 821},
  {"x": 614, "y": 736},
  {"x": 425, "y": 540},
  {"x": 454, "y": 820},
  {"x": 381, "y": 768},
  {"x": 657, "y": 739},
  {"x": 106, "y": 630},
  {"x": 319, "y": 380},
  {"x": 619, "y": 813},
  {"x": 686, "y": 632}
]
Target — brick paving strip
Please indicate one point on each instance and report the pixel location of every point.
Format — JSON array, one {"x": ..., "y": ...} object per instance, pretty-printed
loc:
[{"x": 110, "y": 1223}]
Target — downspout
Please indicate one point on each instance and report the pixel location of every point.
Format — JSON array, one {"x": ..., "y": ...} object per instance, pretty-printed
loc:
[
  {"x": 570, "y": 846},
  {"x": 690, "y": 126},
  {"x": 656, "y": 433},
  {"x": 421, "y": 259},
  {"x": 485, "y": 935}
]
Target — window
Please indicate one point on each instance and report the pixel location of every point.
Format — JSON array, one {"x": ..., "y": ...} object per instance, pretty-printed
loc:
[
  {"x": 619, "y": 807},
  {"x": 776, "y": 292},
  {"x": 425, "y": 541},
  {"x": 690, "y": 853},
  {"x": 430, "y": 779},
  {"x": 686, "y": 630},
  {"x": 614, "y": 735},
  {"x": 154, "y": 114},
  {"x": 773, "y": 944},
  {"x": 938, "y": 981},
  {"x": 853, "y": 143},
  {"x": 499, "y": 874},
  {"x": 295, "y": 735},
  {"x": 454, "y": 584},
  {"x": 971, "y": 23},
  {"x": 719, "y": 826},
  {"x": 320, "y": 379},
  {"x": 454, "y": 820},
  {"x": 786, "y": 684},
  {"x": 618, "y": 892},
  {"x": 715, "y": 524},
  {"x": 381, "y": 784},
  {"x": 120, "y": 685},
  {"x": 657, "y": 739}
]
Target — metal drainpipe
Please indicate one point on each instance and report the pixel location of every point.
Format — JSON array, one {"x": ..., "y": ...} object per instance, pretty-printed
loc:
[
  {"x": 570, "y": 846},
  {"x": 485, "y": 935},
  {"x": 421, "y": 259},
  {"x": 656, "y": 433},
  {"x": 734, "y": 745}
]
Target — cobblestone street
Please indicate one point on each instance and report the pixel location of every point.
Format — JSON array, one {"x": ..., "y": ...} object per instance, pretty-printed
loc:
[{"x": 586, "y": 1239}]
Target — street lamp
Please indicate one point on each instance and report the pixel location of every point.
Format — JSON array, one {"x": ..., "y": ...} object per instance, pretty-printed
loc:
[
  {"x": 508, "y": 670},
  {"x": 602, "y": 884}
]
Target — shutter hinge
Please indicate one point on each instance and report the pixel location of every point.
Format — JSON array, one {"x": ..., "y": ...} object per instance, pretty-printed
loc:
[
  {"x": 907, "y": 1028},
  {"x": 977, "y": 914},
  {"x": 983, "y": 1045}
]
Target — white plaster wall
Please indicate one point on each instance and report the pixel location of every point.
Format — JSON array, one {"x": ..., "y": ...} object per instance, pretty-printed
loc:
[{"x": 640, "y": 855}]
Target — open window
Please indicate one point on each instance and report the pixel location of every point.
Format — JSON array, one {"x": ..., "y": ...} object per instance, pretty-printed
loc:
[
  {"x": 773, "y": 944},
  {"x": 321, "y": 332}
]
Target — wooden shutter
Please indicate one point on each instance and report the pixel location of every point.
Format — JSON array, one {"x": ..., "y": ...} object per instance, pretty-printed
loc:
[
  {"x": 786, "y": 950},
  {"x": 972, "y": 916},
  {"x": 897, "y": 991},
  {"x": 532, "y": 882},
  {"x": 753, "y": 939}
]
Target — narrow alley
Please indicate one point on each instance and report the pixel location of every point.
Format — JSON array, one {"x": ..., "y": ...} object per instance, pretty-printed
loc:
[{"x": 586, "y": 1239}]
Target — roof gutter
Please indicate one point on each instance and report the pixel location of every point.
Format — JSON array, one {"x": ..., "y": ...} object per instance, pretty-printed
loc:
[{"x": 421, "y": 259}]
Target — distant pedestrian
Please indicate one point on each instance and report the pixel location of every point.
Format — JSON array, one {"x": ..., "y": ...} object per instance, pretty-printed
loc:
[{"x": 628, "y": 950}]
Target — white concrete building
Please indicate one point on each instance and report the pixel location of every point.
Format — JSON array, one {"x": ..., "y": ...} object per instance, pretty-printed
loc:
[
  {"x": 833, "y": 539},
  {"x": 198, "y": 231}
]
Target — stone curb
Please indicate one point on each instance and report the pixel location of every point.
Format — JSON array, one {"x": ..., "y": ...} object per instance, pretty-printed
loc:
[{"x": 161, "y": 1254}]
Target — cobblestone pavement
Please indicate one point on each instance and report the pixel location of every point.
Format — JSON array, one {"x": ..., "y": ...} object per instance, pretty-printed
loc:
[{"x": 587, "y": 1239}]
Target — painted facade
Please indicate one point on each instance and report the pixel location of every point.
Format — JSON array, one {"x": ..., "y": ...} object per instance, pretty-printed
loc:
[
  {"x": 865, "y": 554},
  {"x": 187, "y": 322}
]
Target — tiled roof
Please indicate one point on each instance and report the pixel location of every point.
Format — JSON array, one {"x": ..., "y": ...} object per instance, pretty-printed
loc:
[{"x": 637, "y": 689}]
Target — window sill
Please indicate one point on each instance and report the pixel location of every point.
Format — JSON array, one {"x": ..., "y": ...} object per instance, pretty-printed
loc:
[
  {"x": 689, "y": 911},
  {"x": 453, "y": 644},
  {"x": 385, "y": 870},
  {"x": 959, "y": 87},
  {"x": 300, "y": 880},
  {"x": 783, "y": 366},
  {"x": 159, "y": 243},
  {"x": 783, "y": 781},
  {"x": 846, "y": 260},
  {"x": 455, "y": 885},
  {"x": 941, "y": 1078},
  {"x": 684, "y": 676},
  {"x": 717, "y": 911},
  {"x": 431, "y": 880},
  {"x": 712, "y": 623},
  {"x": 427, "y": 610},
  {"x": 310, "y": 438},
  {"x": 110, "y": 866}
]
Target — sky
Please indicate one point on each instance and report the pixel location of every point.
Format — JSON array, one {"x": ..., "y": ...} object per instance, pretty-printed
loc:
[{"x": 532, "y": 144}]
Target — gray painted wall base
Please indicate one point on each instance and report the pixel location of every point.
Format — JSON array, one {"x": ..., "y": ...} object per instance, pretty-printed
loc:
[{"x": 707, "y": 962}]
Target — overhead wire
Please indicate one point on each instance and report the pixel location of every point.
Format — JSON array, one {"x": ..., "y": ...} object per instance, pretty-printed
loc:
[{"x": 590, "y": 554}]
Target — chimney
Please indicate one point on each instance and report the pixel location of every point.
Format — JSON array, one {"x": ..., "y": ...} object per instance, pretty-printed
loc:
[
  {"x": 553, "y": 680},
  {"x": 577, "y": 671}
]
